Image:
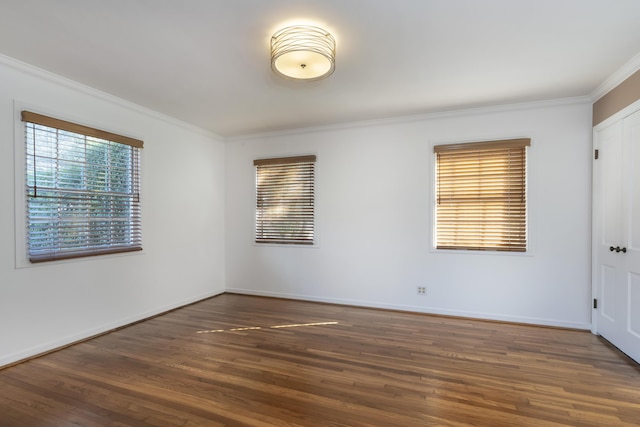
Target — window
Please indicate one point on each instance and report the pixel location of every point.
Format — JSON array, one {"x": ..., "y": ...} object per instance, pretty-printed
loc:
[
  {"x": 285, "y": 200},
  {"x": 82, "y": 190},
  {"x": 481, "y": 196}
]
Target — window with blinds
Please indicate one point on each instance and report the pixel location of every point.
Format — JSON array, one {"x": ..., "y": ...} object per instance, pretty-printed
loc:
[
  {"x": 82, "y": 190},
  {"x": 481, "y": 201},
  {"x": 285, "y": 211}
]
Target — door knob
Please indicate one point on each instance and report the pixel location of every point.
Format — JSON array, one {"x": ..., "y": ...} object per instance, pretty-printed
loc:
[{"x": 618, "y": 249}]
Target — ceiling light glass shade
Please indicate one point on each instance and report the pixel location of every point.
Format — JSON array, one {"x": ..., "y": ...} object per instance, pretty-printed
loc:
[{"x": 303, "y": 52}]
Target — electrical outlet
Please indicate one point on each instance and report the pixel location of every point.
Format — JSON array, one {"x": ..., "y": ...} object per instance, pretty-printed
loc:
[{"x": 422, "y": 290}]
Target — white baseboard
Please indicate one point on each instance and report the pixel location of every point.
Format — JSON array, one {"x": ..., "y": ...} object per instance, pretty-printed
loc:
[
  {"x": 420, "y": 309},
  {"x": 68, "y": 340}
]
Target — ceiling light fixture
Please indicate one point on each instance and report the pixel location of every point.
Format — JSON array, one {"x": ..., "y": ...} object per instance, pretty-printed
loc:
[{"x": 303, "y": 52}]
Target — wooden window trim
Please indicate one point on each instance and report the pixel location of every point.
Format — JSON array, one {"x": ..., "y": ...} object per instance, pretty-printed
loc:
[
  {"x": 284, "y": 160},
  {"x": 484, "y": 145},
  {"x": 28, "y": 116}
]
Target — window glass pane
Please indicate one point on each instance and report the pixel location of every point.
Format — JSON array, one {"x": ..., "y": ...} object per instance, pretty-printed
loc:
[
  {"x": 285, "y": 200},
  {"x": 481, "y": 196},
  {"x": 82, "y": 193}
]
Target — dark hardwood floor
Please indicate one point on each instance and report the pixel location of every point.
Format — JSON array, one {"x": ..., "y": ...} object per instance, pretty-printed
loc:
[{"x": 248, "y": 361}]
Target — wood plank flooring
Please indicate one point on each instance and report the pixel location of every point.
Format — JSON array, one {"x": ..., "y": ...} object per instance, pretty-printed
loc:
[{"x": 248, "y": 361}]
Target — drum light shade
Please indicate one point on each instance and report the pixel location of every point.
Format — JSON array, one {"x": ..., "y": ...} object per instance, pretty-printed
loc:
[{"x": 303, "y": 52}]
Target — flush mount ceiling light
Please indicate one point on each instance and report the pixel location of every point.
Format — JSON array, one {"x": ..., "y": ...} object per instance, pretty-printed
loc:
[{"x": 303, "y": 52}]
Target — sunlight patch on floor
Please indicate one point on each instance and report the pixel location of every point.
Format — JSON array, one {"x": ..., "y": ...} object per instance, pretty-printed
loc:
[{"x": 253, "y": 328}]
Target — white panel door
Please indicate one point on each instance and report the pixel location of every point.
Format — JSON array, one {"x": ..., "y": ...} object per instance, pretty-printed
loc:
[{"x": 616, "y": 219}]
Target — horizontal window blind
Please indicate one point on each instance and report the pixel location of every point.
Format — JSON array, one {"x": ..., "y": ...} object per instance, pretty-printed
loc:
[
  {"x": 285, "y": 211},
  {"x": 83, "y": 191},
  {"x": 481, "y": 196}
]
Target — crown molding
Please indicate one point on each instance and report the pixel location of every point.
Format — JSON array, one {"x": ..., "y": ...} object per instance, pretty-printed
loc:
[
  {"x": 616, "y": 78},
  {"x": 409, "y": 118},
  {"x": 57, "y": 79}
]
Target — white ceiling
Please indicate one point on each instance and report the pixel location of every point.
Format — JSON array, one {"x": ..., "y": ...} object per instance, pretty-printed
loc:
[{"x": 206, "y": 62}]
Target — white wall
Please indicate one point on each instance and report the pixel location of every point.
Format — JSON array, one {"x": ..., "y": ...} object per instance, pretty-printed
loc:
[
  {"x": 374, "y": 219},
  {"x": 51, "y": 304}
]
